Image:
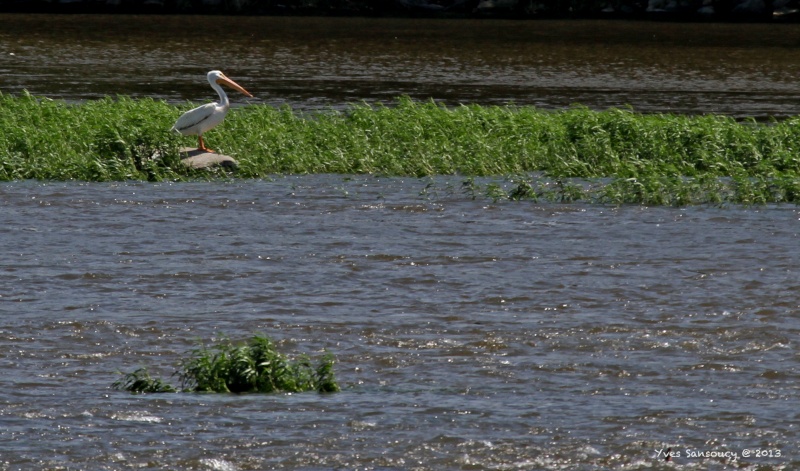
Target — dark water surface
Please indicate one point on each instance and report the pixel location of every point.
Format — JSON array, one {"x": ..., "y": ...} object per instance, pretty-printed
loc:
[
  {"x": 470, "y": 334},
  {"x": 313, "y": 63}
]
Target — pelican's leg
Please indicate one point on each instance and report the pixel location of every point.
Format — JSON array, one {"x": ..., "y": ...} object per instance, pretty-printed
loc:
[{"x": 202, "y": 145}]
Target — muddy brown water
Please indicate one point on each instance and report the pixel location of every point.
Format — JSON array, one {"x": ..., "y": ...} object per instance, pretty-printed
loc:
[
  {"x": 469, "y": 334},
  {"x": 317, "y": 63}
]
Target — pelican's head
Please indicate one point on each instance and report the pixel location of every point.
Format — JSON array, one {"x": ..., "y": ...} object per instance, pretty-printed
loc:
[{"x": 215, "y": 76}]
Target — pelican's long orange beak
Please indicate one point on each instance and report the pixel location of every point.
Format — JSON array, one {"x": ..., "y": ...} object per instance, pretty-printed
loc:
[{"x": 230, "y": 83}]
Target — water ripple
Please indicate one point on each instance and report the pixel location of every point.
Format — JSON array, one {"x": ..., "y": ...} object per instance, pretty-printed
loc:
[{"x": 546, "y": 336}]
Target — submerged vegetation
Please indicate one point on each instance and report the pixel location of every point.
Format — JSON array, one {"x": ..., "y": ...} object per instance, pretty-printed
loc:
[
  {"x": 254, "y": 367},
  {"x": 614, "y": 156}
]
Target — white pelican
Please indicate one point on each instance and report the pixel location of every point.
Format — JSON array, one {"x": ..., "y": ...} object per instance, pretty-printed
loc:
[{"x": 206, "y": 117}]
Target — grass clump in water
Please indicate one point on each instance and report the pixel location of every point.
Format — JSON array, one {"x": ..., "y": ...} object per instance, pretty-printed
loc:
[
  {"x": 140, "y": 381},
  {"x": 253, "y": 367}
]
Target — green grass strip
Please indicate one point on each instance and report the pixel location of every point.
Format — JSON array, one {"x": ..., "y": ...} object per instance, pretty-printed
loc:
[{"x": 638, "y": 157}]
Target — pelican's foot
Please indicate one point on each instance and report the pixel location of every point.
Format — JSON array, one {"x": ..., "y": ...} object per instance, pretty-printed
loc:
[{"x": 201, "y": 144}]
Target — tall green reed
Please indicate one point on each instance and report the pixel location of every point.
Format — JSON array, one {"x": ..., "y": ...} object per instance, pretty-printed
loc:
[{"x": 109, "y": 139}]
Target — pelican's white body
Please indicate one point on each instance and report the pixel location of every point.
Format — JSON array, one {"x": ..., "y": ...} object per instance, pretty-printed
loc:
[
  {"x": 197, "y": 121},
  {"x": 204, "y": 118}
]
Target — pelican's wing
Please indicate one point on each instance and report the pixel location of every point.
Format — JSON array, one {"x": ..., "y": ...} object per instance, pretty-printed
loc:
[{"x": 192, "y": 121}]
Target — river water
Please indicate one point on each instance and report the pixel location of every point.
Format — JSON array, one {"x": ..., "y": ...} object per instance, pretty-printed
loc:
[
  {"x": 469, "y": 334},
  {"x": 745, "y": 70}
]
